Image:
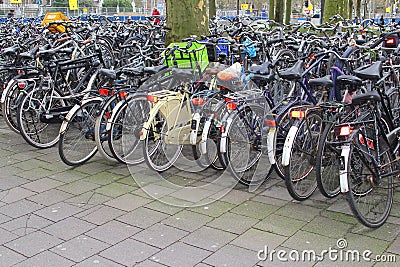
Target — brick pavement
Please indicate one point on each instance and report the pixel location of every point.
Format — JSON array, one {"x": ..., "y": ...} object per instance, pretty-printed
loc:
[{"x": 97, "y": 215}]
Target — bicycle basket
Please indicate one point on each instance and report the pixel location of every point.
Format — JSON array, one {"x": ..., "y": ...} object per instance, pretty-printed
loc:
[{"x": 186, "y": 61}]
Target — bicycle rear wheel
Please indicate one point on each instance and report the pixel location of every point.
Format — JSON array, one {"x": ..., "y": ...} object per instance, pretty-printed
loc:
[
  {"x": 77, "y": 144},
  {"x": 370, "y": 194},
  {"x": 300, "y": 179},
  {"x": 34, "y": 122}
]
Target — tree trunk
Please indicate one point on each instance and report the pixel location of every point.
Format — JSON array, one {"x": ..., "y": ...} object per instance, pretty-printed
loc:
[
  {"x": 288, "y": 11},
  {"x": 212, "y": 9},
  {"x": 186, "y": 17},
  {"x": 279, "y": 10},
  {"x": 351, "y": 6},
  {"x": 271, "y": 12},
  {"x": 358, "y": 8},
  {"x": 333, "y": 7}
]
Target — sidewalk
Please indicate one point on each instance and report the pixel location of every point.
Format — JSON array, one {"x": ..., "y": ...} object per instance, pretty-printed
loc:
[{"x": 97, "y": 215}]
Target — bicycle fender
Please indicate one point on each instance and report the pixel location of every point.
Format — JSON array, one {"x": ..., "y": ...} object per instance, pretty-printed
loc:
[
  {"x": 91, "y": 81},
  {"x": 153, "y": 112},
  {"x": 204, "y": 137},
  {"x": 73, "y": 110},
  {"x": 225, "y": 135},
  {"x": 344, "y": 158},
  {"x": 270, "y": 145},
  {"x": 5, "y": 92},
  {"x": 287, "y": 147},
  {"x": 193, "y": 132},
  {"x": 112, "y": 118}
]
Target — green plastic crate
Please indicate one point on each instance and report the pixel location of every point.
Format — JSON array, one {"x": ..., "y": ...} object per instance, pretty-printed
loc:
[{"x": 184, "y": 60}]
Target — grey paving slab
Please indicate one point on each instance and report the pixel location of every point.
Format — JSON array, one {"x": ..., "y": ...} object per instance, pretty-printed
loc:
[
  {"x": 255, "y": 209},
  {"x": 79, "y": 248},
  {"x": 6, "y": 236},
  {"x": 58, "y": 211},
  {"x": 97, "y": 261},
  {"x": 104, "y": 178},
  {"x": 395, "y": 246},
  {"x": 129, "y": 252},
  {"x": 68, "y": 176},
  {"x": 209, "y": 238},
  {"x": 42, "y": 185},
  {"x": 78, "y": 187},
  {"x": 16, "y": 194},
  {"x": 232, "y": 256},
  {"x": 33, "y": 243},
  {"x": 280, "y": 225},
  {"x": 180, "y": 254},
  {"x": 160, "y": 235},
  {"x": 50, "y": 197},
  {"x": 156, "y": 191},
  {"x": 11, "y": 181},
  {"x": 214, "y": 209},
  {"x": 9, "y": 257},
  {"x": 187, "y": 220},
  {"x": 115, "y": 189},
  {"x": 163, "y": 207},
  {"x": 233, "y": 223},
  {"x": 19, "y": 208},
  {"x": 46, "y": 258},
  {"x": 26, "y": 224},
  {"x": 142, "y": 217},
  {"x": 386, "y": 232},
  {"x": 87, "y": 200},
  {"x": 69, "y": 228},
  {"x": 100, "y": 215},
  {"x": 305, "y": 240},
  {"x": 4, "y": 218},
  {"x": 127, "y": 202},
  {"x": 254, "y": 239},
  {"x": 113, "y": 232},
  {"x": 234, "y": 197},
  {"x": 149, "y": 263},
  {"x": 35, "y": 173},
  {"x": 298, "y": 211},
  {"x": 319, "y": 226}
]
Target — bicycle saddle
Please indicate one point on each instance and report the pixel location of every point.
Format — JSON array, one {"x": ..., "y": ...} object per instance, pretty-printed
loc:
[
  {"x": 133, "y": 71},
  {"x": 262, "y": 69},
  {"x": 369, "y": 96},
  {"x": 293, "y": 73},
  {"x": 112, "y": 74},
  {"x": 11, "y": 50},
  {"x": 30, "y": 54},
  {"x": 372, "y": 72},
  {"x": 154, "y": 70},
  {"x": 348, "y": 80},
  {"x": 324, "y": 81}
]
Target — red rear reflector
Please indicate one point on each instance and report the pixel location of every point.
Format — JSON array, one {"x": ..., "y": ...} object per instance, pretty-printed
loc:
[
  {"x": 152, "y": 98},
  {"x": 231, "y": 106},
  {"x": 297, "y": 114},
  {"x": 198, "y": 101},
  {"x": 103, "y": 91},
  {"x": 390, "y": 41},
  {"x": 312, "y": 57},
  {"x": 123, "y": 94},
  {"x": 222, "y": 129},
  {"x": 21, "y": 85},
  {"x": 270, "y": 123},
  {"x": 108, "y": 115}
]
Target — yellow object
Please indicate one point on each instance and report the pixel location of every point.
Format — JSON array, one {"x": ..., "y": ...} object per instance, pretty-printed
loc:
[
  {"x": 73, "y": 4},
  {"x": 244, "y": 6},
  {"x": 388, "y": 10},
  {"x": 15, "y": 1},
  {"x": 84, "y": 10},
  {"x": 310, "y": 7},
  {"x": 54, "y": 16}
]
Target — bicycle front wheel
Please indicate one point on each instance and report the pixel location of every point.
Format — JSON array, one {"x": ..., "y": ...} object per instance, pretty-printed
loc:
[{"x": 77, "y": 144}]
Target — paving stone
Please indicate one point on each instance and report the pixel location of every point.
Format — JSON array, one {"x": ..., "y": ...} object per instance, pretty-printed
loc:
[
  {"x": 298, "y": 211},
  {"x": 142, "y": 217},
  {"x": 232, "y": 256},
  {"x": 254, "y": 209},
  {"x": 214, "y": 209},
  {"x": 16, "y": 194},
  {"x": 233, "y": 223},
  {"x": 163, "y": 207},
  {"x": 333, "y": 215},
  {"x": 254, "y": 239},
  {"x": 96, "y": 260},
  {"x": 149, "y": 263},
  {"x": 192, "y": 194},
  {"x": 104, "y": 178},
  {"x": 127, "y": 202},
  {"x": 31, "y": 164},
  {"x": 160, "y": 235},
  {"x": 209, "y": 238},
  {"x": 187, "y": 220},
  {"x": 4, "y": 218},
  {"x": 35, "y": 174},
  {"x": 279, "y": 225},
  {"x": 361, "y": 243},
  {"x": 113, "y": 232},
  {"x": 129, "y": 252},
  {"x": 234, "y": 197},
  {"x": 386, "y": 232},
  {"x": 287, "y": 257},
  {"x": 58, "y": 211},
  {"x": 128, "y": 181},
  {"x": 9, "y": 257},
  {"x": 269, "y": 200},
  {"x": 303, "y": 240},
  {"x": 46, "y": 258},
  {"x": 11, "y": 181},
  {"x": 319, "y": 226},
  {"x": 279, "y": 192},
  {"x": 101, "y": 215},
  {"x": 33, "y": 243},
  {"x": 114, "y": 189},
  {"x": 50, "y": 197},
  {"x": 156, "y": 191},
  {"x": 68, "y": 228},
  {"x": 6, "y": 236},
  {"x": 68, "y": 176},
  {"x": 19, "y": 208},
  {"x": 180, "y": 254},
  {"x": 87, "y": 200},
  {"x": 42, "y": 185},
  {"x": 395, "y": 246},
  {"x": 26, "y": 224},
  {"x": 78, "y": 187},
  {"x": 79, "y": 248},
  {"x": 94, "y": 167}
]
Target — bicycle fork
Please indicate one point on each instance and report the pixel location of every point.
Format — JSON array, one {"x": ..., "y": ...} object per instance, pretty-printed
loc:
[{"x": 343, "y": 167}]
